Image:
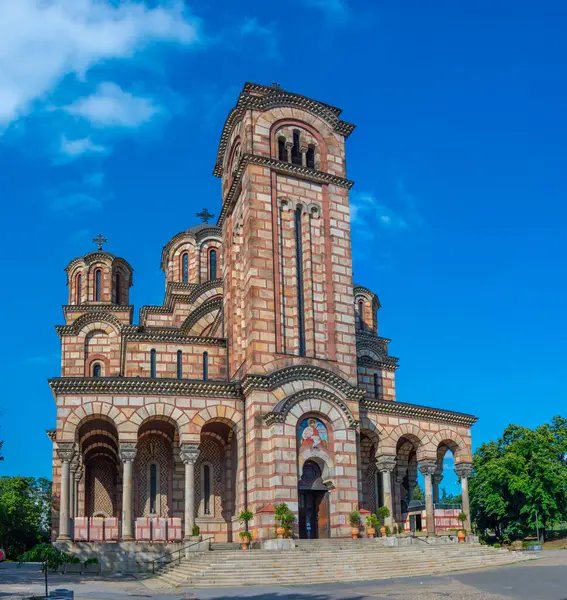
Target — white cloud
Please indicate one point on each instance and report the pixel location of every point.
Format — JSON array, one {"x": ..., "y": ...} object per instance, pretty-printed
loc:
[
  {"x": 110, "y": 106},
  {"x": 42, "y": 41},
  {"x": 74, "y": 148},
  {"x": 251, "y": 27},
  {"x": 365, "y": 207}
]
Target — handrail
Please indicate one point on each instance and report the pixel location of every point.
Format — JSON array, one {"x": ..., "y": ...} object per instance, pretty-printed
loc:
[
  {"x": 160, "y": 559},
  {"x": 417, "y": 537}
]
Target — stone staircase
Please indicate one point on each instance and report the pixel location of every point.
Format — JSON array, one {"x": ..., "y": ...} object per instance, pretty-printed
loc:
[{"x": 325, "y": 561}]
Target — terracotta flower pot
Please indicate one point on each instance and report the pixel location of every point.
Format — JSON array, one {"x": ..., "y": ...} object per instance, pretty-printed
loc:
[
  {"x": 461, "y": 535},
  {"x": 244, "y": 545},
  {"x": 280, "y": 532},
  {"x": 382, "y": 531},
  {"x": 355, "y": 533},
  {"x": 371, "y": 531}
]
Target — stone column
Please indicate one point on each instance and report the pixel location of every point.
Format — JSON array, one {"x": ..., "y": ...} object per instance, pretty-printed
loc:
[
  {"x": 428, "y": 468},
  {"x": 288, "y": 147},
  {"x": 127, "y": 455},
  {"x": 303, "y": 150},
  {"x": 189, "y": 455},
  {"x": 73, "y": 467},
  {"x": 386, "y": 465},
  {"x": 437, "y": 479},
  {"x": 65, "y": 451},
  {"x": 78, "y": 477},
  {"x": 464, "y": 471},
  {"x": 398, "y": 495}
]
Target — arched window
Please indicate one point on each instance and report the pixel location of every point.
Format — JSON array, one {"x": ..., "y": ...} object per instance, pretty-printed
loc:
[
  {"x": 213, "y": 264},
  {"x": 97, "y": 284},
  {"x": 295, "y": 153},
  {"x": 185, "y": 268},
  {"x": 282, "y": 150},
  {"x": 179, "y": 364},
  {"x": 205, "y": 365},
  {"x": 97, "y": 370},
  {"x": 311, "y": 156},
  {"x": 153, "y": 488},
  {"x": 152, "y": 363},
  {"x": 207, "y": 489},
  {"x": 78, "y": 290},
  {"x": 360, "y": 314},
  {"x": 117, "y": 284},
  {"x": 299, "y": 270},
  {"x": 376, "y": 390}
]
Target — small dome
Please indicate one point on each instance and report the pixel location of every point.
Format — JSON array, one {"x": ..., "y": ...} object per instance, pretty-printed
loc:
[{"x": 99, "y": 277}]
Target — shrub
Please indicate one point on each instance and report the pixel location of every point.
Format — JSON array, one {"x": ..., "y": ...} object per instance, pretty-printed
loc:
[
  {"x": 46, "y": 553},
  {"x": 245, "y": 536},
  {"x": 497, "y": 546},
  {"x": 245, "y": 516},
  {"x": 93, "y": 560},
  {"x": 196, "y": 531},
  {"x": 354, "y": 518},
  {"x": 395, "y": 530},
  {"x": 383, "y": 513},
  {"x": 372, "y": 521}
]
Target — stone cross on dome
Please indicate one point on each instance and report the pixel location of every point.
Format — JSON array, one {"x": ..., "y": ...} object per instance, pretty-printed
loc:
[
  {"x": 205, "y": 215},
  {"x": 100, "y": 240}
]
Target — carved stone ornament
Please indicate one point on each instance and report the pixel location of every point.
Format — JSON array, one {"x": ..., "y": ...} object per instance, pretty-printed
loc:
[
  {"x": 128, "y": 452},
  {"x": 189, "y": 453},
  {"x": 437, "y": 478},
  {"x": 79, "y": 474},
  {"x": 75, "y": 463},
  {"x": 427, "y": 467},
  {"x": 65, "y": 451},
  {"x": 464, "y": 470},
  {"x": 385, "y": 463}
]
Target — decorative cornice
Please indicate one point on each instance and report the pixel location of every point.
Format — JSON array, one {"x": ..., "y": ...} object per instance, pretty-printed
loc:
[
  {"x": 89, "y": 308},
  {"x": 415, "y": 411},
  {"x": 385, "y": 363},
  {"x": 207, "y": 307},
  {"x": 274, "y": 98},
  {"x": 282, "y": 408},
  {"x": 279, "y": 166},
  {"x": 301, "y": 373},
  {"x": 51, "y": 434},
  {"x": 89, "y": 317},
  {"x": 175, "y": 336},
  {"x": 142, "y": 386},
  {"x": 371, "y": 336}
]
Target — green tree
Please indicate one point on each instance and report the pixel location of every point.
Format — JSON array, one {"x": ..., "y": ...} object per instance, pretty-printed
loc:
[
  {"x": 447, "y": 498},
  {"x": 519, "y": 476},
  {"x": 418, "y": 493},
  {"x": 25, "y": 507}
]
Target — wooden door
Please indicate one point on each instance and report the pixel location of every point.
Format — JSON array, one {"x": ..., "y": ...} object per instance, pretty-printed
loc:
[{"x": 324, "y": 516}]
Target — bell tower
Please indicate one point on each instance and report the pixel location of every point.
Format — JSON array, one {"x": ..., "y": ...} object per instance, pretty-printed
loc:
[{"x": 286, "y": 230}]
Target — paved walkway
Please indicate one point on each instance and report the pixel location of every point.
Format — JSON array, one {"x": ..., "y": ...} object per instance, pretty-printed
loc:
[{"x": 545, "y": 579}]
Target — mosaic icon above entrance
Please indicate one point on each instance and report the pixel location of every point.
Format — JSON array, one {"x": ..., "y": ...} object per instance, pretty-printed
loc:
[{"x": 313, "y": 434}]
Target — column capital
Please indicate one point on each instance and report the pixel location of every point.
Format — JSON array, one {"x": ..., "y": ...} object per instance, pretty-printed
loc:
[
  {"x": 127, "y": 451},
  {"x": 437, "y": 478},
  {"x": 65, "y": 451},
  {"x": 464, "y": 470},
  {"x": 189, "y": 453},
  {"x": 385, "y": 463},
  {"x": 427, "y": 467},
  {"x": 79, "y": 474}
]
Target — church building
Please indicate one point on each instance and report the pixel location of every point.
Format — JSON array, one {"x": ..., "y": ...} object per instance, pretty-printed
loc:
[{"x": 261, "y": 379}]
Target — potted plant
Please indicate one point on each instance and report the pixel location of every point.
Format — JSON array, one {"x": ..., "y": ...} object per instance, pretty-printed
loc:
[
  {"x": 371, "y": 523},
  {"x": 282, "y": 516},
  {"x": 354, "y": 520},
  {"x": 462, "y": 533},
  {"x": 383, "y": 514},
  {"x": 245, "y": 539}
]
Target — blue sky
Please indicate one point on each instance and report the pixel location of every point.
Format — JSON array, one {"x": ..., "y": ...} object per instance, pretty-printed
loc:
[{"x": 110, "y": 114}]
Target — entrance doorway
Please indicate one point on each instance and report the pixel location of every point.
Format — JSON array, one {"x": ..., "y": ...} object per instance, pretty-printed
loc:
[{"x": 314, "y": 504}]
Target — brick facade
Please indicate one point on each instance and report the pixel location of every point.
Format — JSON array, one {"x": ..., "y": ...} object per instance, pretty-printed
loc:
[{"x": 261, "y": 334}]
